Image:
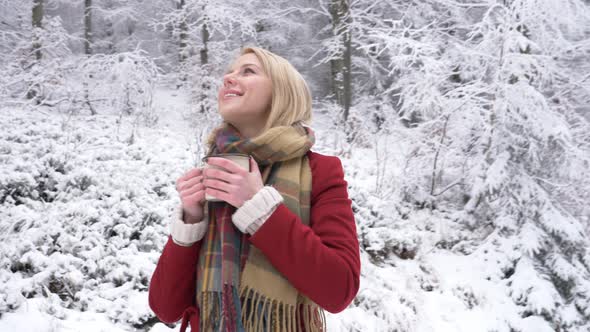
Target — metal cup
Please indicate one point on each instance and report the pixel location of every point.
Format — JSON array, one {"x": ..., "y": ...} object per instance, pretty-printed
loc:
[{"x": 239, "y": 158}]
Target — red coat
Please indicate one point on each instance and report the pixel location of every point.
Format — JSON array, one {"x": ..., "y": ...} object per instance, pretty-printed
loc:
[{"x": 321, "y": 260}]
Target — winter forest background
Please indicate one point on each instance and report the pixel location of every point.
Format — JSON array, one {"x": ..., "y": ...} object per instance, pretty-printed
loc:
[{"x": 463, "y": 126}]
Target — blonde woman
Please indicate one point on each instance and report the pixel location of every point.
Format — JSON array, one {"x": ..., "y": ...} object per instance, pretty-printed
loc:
[{"x": 282, "y": 246}]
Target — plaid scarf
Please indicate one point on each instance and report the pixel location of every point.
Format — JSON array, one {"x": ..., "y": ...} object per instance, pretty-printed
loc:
[{"x": 237, "y": 287}]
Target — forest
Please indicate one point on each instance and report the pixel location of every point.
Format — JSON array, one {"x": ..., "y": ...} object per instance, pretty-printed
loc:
[{"x": 463, "y": 127}]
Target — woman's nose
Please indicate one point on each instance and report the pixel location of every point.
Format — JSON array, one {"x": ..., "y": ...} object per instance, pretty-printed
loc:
[{"x": 228, "y": 80}]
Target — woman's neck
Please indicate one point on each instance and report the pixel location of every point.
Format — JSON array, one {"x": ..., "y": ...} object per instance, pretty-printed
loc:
[{"x": 249, "y": 131}]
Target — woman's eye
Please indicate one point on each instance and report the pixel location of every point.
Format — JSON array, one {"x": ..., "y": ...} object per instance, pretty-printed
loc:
[{"x": 248, "y": 70}]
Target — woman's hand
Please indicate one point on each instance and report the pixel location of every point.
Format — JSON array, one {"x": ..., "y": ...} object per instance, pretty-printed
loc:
[
  {"x": 236, "y": 185},
  {"x": 192, "y": 194}
]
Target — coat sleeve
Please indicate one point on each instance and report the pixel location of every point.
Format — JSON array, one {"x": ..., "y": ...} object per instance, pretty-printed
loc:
[
  {"x": 321, "y": 260},
  {"x": 172, "y": 286}
]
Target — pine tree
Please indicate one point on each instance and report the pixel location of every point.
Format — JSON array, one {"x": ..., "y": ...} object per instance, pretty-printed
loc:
[{"x": 513, "y": 154}]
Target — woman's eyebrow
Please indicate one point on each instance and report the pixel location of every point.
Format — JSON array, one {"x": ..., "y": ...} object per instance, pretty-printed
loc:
[{"x": 229, "y": 70}]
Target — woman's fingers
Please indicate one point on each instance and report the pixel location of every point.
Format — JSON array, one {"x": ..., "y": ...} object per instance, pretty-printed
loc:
[
  {"x": 254, "y": 166},
  {"x": 189, "y": 183},
  {"x": 220, "y": 185},
  {"x": 197, "y": 196},
  {"x": 188, "y": 175},
  {"x": 232, "y": 184},
  {"x": 192, "y": 192},
  {"x": 191, "y": 173},
  {"x": 189, "y": 191},
  {"x": 221, "y": 175}
]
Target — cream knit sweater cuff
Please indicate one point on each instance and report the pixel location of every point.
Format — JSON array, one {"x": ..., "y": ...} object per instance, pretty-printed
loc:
[
  {"x": 252, "y": 215},
  {"x": 186, "y": 234}
]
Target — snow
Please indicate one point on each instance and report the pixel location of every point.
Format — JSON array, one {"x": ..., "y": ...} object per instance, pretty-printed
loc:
[
  {"x": 79, "y": 248},
  {"x": 32, "y": 316}
]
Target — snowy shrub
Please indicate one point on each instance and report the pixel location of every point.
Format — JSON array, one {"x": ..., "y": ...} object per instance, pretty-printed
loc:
[
  {"x": 123, "y": 81},
  {"x": 80, "y": 179},
  {"x": 84, "y": 236}
]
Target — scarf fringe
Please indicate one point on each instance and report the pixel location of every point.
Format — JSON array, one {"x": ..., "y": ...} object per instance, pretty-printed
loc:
[
  {"x": 260, "y": 313},
  {"x": 214, "y": 316}
]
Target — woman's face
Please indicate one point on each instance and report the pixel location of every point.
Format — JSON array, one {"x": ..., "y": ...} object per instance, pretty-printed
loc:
[{"x": 244, "y": 99}]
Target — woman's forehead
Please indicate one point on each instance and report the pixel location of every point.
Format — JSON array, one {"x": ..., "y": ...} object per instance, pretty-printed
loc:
[{"x": 244, "y": 60}]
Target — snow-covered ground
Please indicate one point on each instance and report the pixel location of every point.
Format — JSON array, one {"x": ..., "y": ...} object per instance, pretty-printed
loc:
[{"x": 84, "y": 213}]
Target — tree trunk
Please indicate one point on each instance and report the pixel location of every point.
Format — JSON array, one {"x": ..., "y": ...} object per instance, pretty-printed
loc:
[
  {"x": 204, "y": 61},
  {"x": 37, "y": 16},
  {"x": 341, "y": 65},
  {"x": 204, "y": 50},
  {"x": 183, "y": 44},
  {"x": 37, "y": 23},
  {"x": 87, "y": 27},
  {"x": 110, "y": 30}
]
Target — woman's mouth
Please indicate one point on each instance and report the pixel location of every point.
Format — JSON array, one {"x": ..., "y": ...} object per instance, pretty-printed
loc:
[{"x": 232, "y": 94}]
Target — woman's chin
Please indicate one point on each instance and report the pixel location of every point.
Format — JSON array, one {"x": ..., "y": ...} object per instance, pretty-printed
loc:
[
  {"x": 229, "y": 109},
  {"x": 229, "y": 117}
]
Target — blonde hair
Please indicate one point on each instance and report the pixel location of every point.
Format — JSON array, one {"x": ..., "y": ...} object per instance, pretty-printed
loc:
[{"x": 291, "y": 97}]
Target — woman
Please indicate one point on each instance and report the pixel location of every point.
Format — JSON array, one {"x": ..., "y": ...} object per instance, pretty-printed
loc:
[{"x": 282, "y": 245}]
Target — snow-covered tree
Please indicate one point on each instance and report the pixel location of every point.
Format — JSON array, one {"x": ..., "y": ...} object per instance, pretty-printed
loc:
[
  {"x": 495, "y": 142},
  {"x": 36, "y": 55}
]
